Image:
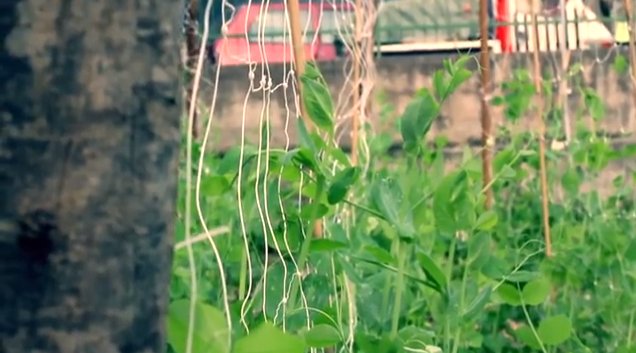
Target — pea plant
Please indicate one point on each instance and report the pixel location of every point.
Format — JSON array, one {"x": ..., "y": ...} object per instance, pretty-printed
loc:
[{"x": 406, "y": 258}]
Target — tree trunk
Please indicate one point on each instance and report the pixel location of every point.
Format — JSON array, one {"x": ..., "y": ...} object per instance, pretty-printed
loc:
[{"x": 89, "y": 137}]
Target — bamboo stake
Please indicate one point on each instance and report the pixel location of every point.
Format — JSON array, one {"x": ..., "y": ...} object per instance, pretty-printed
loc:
[
  {"x": 632, "y": 50},
  {"x": 299, "y": 62},
  {"x": 542, "y": 162},
  {"x": 486, "y": 121},
  {"x": 565, "y": 59},
  {"x": 357, "y": 58},
  {"x": 298, "y": 47}
]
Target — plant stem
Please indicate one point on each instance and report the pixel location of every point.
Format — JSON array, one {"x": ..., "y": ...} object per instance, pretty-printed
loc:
[
  {"x": 630, "y": 329},
  {"x": 530, "y": 324},
  {"x": 243, "y": 276},
  {"x": 449, "y": 273},
  {"x": 458, "y": 329},
  {"x": 305, "y": 247},
  {"x": 399, "y": 289},
  {"x": 365, "y": 209}
]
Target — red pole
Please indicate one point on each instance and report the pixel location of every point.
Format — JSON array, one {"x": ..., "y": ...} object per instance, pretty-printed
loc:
[{"x": 504, "y": 32}]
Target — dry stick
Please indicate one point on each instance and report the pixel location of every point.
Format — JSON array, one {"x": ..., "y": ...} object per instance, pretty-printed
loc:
[
  {"x": 486, "y": 121},
  {"x": 632, "y": 49},
  {"x": 192, "y": 52},
  {"x": 565, "y": 59},
  {"x": 357, "y": 57},
  {"x": 299, "y": 63},
  {"x": 542, "y": 167}
]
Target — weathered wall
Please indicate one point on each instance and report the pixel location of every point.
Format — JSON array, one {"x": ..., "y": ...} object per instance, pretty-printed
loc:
[{"x": 397, "y": 80}]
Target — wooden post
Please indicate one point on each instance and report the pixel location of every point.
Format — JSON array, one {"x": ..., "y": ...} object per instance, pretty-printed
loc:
[
  {"x": 632, "y": 50},
  {"x": 563, "y": 82},
  {"x": 488, "y": 140},
  {"x": 293, "y": 8},
  {"x": 357, "y": 58}
]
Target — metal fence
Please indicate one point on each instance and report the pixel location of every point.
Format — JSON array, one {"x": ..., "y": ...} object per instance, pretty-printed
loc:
[{"x": 411, "y": 21}]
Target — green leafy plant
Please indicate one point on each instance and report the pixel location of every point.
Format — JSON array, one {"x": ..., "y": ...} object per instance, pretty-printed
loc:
[{"x": 408, "y": 260}]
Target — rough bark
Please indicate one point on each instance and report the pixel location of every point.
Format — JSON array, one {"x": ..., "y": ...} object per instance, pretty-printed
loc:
[{"x": 89, "y": 135}]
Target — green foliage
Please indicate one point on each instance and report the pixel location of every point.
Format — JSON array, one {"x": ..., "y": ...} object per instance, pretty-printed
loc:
[
  {"x": 210, "y": 333},
  {"x": 322, "y": 336},
  {"x": 419, "y": 115},
  {"x": 317, "y": 98},
  {"x": 267, "y": 338},
  {"x": 409, "y": 260}
]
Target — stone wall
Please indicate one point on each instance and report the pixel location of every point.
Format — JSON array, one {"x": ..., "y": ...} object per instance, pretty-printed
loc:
[{"x": 398, "y": 77}]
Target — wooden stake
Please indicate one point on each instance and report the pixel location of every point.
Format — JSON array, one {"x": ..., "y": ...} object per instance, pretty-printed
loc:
[
  {"x": 486, "y": 121},
  {"x": 542, "y": 162},
  {"x": 632, "y": 50},
  {"x": 293, "y": 8},
  {"x": 565, "y": 60},
  {"x": 357, "y": 58}
]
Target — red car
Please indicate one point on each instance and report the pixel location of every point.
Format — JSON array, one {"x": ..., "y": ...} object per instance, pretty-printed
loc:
[{"x": 257, "y": 33}]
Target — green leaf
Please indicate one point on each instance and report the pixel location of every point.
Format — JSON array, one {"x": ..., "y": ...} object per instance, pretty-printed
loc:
[
  {"x": 305, "y": 138},
  {"x": 497, "y": 101},
  {"x": 230, "y": 162},
  {"x": 417, "y": 119},
  {"x": 214, "y": 185},
  {"x": 509, "y": 294},
  {"x": 524, "y": 334},
  {"x": 268, "y": 338},
  {"x": 304, "y": 158},
  {"x": 312, "y": 72},
  {"x": 571, "y": 181},
  {"x": 555, "y": 330},
  {"x": 322, "y": 336},
  {"x": 380, "y": 254},
  {"x": 341, "y": 184},
  {"x": 446, "y": 202},
  {"x": 620, "y": 65},
  {"x": 536, "y": 291},
  {"x": 460, "y": 76},
  {"x": 439, "y": 84},
  {"x": 339, "y": 155},
  {"x": 210, "y": 331},
  {"x": 630, "y": 252},
  {"x": 386, "y": 197},
  {"x": 477, "y": 304},
  {"x": 594, "y": 104},
  {"x": 414, "y": 335},
  {"x": 306, "y": 212},
  {"x": 318, "y": 102},
  {"x": 487, "y": 221},
  {"x": 522, "y": 276},
  {"x": 433, "y": 271},
  {"x": 326, "y": 245}
]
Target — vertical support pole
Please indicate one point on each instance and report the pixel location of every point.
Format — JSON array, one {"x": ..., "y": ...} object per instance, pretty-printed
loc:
[
  {"x": 563, "y": 83},
  {"x": 357, "y": 58},
  {"x": 487, "y": 138},
  {"x": 293, "y": 8},
  {"x": 542, "y": 161},
  {"x": 632, "y": 50}
]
